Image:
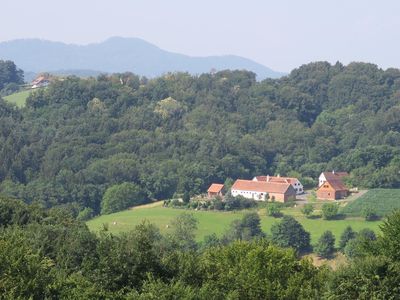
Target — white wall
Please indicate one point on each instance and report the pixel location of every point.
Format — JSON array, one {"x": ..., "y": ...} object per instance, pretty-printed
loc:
[{"x": 259, "y": 196}]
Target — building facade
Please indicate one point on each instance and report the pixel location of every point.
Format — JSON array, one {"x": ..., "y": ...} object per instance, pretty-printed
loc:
[
  {"x": 296, "y": 184},
  {"x": 262, "y": 190}
]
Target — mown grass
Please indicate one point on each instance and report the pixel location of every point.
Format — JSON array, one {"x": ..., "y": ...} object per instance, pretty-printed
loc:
[
  {"x": 382, "y": 201},
  {"x": 18, "y": 98},
  {"x": 218, "y": 222}
]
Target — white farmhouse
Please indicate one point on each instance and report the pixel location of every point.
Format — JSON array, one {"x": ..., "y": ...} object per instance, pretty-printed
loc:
[
  {"x": 261, "y": 190},
  {"x": 329, "y": 176}
]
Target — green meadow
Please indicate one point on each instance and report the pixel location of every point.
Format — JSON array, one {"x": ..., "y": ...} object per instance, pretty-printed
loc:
[
  {"x": 218, "y": 222},
  {"x": 18, "y": 98}
]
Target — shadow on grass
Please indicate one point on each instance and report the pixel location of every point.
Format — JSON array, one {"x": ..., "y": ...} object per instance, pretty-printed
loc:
[{"x": 314, "y": 217}]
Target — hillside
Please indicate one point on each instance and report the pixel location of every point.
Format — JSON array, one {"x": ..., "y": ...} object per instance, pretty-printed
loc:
[
  {"x": 18, "y": 98},
  {"x": 118, "y": 55},
  {"x": 218, "y": 222},
  {"x": 381, "y": 201},
  {"x": 178, "y": 133}
]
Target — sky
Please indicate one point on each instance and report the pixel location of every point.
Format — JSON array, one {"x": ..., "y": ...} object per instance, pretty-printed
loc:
[{"x": 279, "y": 34}]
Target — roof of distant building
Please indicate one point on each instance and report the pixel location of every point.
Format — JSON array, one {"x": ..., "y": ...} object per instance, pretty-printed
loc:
[
  {"x": 215, "y": 188},
  {"x": 261, "y": 186}
]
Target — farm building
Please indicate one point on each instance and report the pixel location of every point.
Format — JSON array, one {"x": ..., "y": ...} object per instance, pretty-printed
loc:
[
  {"x": 329, "y": 176},
  {"x": 215, "y": 189},
  {"x": 41, "y": 81},
  {"x": 298, "y": 187},
  {"x": 332, "y": 190},
  {"x": 261, "y": 190}
]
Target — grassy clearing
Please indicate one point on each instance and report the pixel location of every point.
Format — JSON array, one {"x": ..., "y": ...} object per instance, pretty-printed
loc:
[
  {"x": 382, "y": 201},
  {"x": 218, "y": 222},
  {"x": 18, "y": 98}
]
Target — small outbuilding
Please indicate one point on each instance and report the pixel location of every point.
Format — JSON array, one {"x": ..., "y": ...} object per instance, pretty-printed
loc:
[
  {"x": 215, "y": 189},
  {"x": 332, "y": 190}
]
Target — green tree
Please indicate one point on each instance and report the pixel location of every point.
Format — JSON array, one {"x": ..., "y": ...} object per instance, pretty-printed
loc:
[
  {"x": 368, "y": 278},
  {"x": 329, "y": 211},
  {"x": 25, "y": 273},
  {"x": 9, "y": 73},
  {"x": 290, "y": 233},
  {"x": 183, "y": 236},
  {"x": 369, "y": 214},
  {"x": 121, "y": 196},
  {"x": 274, "y": 210},
  {"x": 326, "y": 245},
  {"x": 390, "y": 240},
  {"x": 307, "y": 209},
  {"x": 259, "y": 270},
  {"x": 248, "y": 228},
  {"x": 347, "y": 235},
  {"x": 86, "y": 214}
]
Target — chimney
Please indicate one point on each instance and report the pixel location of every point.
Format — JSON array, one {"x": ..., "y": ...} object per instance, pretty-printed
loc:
[
  {"x": 267, "y": 178},
  {"x": 333, "y": 172},
  {"x": 279, "y": 175}
]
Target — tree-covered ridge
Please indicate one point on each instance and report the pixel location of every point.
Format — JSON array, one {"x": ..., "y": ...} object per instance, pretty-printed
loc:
[{"x": 179, "y": 133}]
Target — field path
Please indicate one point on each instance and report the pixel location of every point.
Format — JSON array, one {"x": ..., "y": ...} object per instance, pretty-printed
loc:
[
  {"x": 355, "y": 196},
  {"x": 148, "y": 205}
]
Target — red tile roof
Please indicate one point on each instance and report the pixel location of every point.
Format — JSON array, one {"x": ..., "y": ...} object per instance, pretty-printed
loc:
[
  {"x": 335, "y": 175},
  {"x": 337, "y": 185},
  {"x": 215, "y": 188},
  {"x": 261, "y": 186},
  {"x": 276, "y": 179}
]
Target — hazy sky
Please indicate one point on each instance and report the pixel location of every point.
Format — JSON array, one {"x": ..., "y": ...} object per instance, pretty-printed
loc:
[{"x": 279, "y": 34}]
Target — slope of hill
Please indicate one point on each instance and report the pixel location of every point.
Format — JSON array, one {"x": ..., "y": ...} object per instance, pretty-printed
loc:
[
  {"x": 180, "y": 133},
  {"x": 382, "y": 201},
  {"x": 118, "y": 55}
]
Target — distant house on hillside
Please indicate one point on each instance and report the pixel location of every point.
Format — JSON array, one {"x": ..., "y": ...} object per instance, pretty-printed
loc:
[
  {"x": 215, "y": 189},
  {"x": 260, "y": 190},
  {"x": 325, "y": 176},
  {"x": 40, "y": 81},
  {"x": 331, "y": 186},
  {"x": 298, "y": 187}
]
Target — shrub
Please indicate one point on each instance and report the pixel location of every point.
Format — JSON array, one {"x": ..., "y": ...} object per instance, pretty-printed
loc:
[
  {"x": 307, "y": 209},
  {"x": 86, "y": 214},
  {"x": 274, "y": 210},
  {"x": 218, "y": 204},
  {"x": 326, "y": 245},
  {"x": 329, "y": 211},
  {"x": 186, "y": 197},
  {"x": 347, "y": 235},
  {"x": 369, "y": 214}
]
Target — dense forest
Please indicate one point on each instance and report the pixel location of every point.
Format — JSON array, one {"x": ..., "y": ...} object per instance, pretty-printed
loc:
[
  {"x": 48, "y": 254},
  {"x": 78, "y": 138}
]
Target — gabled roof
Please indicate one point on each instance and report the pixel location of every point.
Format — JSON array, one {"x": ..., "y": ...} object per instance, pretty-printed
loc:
[
  {"x": 40, "y": 79},
  {"x": 261, "y": 186},
  {"x": 215, "y": 188},
  {"x": 336, "y": 184},
  {"x": 334, "y": 175},
  {"x": 277, "y": 179}
]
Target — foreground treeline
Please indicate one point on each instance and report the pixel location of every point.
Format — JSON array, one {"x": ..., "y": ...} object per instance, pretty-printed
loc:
[
  {"x": 178, "y": 133},
  {"x": 46, "y": 254}
]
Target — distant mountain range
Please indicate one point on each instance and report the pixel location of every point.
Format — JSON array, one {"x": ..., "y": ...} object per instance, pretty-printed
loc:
[{"x": 118, "y": 55}]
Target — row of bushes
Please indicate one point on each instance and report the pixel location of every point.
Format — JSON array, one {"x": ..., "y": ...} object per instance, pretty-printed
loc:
[{"x": 217, "y": 203}]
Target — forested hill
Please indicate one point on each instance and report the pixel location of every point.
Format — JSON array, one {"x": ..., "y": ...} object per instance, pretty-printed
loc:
[
  {"x": 118, "y": 55},
  {"x": 179, "y": 133}
]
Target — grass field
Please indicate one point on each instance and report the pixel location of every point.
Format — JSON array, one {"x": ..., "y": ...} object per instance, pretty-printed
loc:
[
  {"x": 18, "y": 98},
  {"x": 382, "y": 201},
  {"x": 218, "y": 222}
]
